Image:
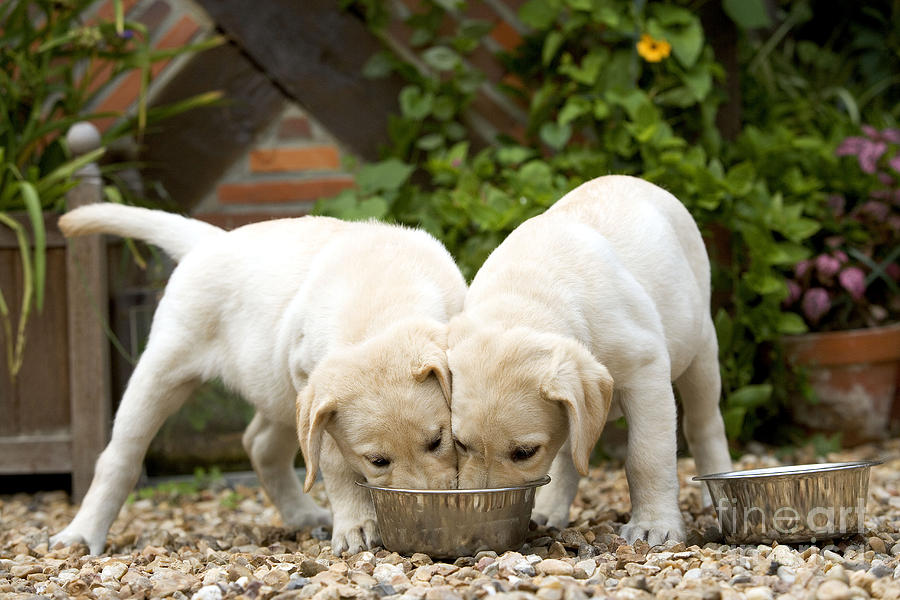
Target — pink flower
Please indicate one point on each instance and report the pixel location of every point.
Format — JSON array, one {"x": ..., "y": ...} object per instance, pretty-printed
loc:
[
  {"x": 834, "y": 241},
  {"x": 854, "y": 281},
  {"x": 801, "y": 268},
  {"x": 893, "y": 270},
  {"x": 794, "y": 292},
  {"x": 867, "y": 152},
  {"x": 895, "y": 163},
  {"x": 836, "y": 203},
  {"x": 877, "y": 210},
  {"x": 841, "y": 256},
  {"x": 815, "y": 304},
  {"x": 827, "y": 265}
]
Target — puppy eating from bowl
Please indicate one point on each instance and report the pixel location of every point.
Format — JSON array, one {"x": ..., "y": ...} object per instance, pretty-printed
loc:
[
  {"x": 585, "y": 313},
  {"x": 338, "y": 327}
]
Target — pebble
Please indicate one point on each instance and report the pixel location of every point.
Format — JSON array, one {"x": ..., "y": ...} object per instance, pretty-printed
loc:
[
  {"x": 551, "y": 566},
  {"x": 197, "y": 548},
  {"x": 833, "y": 589},
  {"x": 877, "y": 544}
]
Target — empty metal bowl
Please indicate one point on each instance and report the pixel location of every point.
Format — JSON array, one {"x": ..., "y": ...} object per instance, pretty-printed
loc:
[
  {"x": 452, "y": 523},
  {"x": 800, "y": 503}
]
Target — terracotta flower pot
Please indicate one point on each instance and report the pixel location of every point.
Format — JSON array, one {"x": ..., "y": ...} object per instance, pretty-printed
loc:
[{"x": 854, "y": 376}]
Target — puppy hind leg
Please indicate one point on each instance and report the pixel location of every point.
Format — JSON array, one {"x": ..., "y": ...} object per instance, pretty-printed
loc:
[
  {"x": 157, "y": 388},
  {"x": 552, "y": 502},
  {"x": 700, "y": 388},
  {"x": 650, "y": 466},
  {"x": 272, "y": 448}
]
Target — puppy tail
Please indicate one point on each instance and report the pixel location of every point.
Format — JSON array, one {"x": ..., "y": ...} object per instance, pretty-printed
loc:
[{"x": 176, "y": 235}]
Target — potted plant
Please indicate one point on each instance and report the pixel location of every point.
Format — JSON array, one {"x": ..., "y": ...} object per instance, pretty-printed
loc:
[
  {"x": 849, "y": 297},
  {"x": 53, "y": 64}
]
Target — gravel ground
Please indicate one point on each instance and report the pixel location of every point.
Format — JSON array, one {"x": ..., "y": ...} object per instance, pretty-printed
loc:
[{"x": 226, "y": 543}]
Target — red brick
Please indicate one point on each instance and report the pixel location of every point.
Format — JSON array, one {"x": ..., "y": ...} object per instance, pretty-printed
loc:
[
  {"x": 294, "y": 159},
  {"x": 505, "y": 35},
  {"x": 294, "y": 127},
  {"x": 155, "y": 14},
  {"x": 178, "y": 35},
  {"x": 273, "y": 192}
]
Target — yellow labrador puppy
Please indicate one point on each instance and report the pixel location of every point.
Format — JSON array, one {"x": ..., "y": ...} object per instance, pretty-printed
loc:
[
  {"x": 341, "y": 324},
  {"x": 584, "y": 313}
]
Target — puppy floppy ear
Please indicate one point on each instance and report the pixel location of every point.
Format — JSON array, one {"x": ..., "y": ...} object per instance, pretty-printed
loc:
[
  {"x": 314, "y": 411},
  {"x": 584, "y": 386},
  {"x": 432, "y": 358}
]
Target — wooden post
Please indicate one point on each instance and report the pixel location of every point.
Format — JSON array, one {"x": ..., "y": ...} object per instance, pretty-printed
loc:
[{"x": 89, "y": 396}]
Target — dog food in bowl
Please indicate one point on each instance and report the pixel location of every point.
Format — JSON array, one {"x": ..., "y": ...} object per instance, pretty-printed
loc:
[
  {"x": 452, "y": 523},
  {"x": 800, "y": 503}
]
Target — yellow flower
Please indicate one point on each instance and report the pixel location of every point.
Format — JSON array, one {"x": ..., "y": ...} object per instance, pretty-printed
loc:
[{"x": 653, "y": 50}]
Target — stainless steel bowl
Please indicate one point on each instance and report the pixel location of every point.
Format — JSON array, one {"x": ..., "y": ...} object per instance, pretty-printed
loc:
[
  {"x": 801, "y": 503},
  {"x": 451, "y": 523}
]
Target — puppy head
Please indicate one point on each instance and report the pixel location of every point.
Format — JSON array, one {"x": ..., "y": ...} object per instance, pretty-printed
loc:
[
  {"x": 517, "y": 396},
  {"x": 385, "y": 402}
]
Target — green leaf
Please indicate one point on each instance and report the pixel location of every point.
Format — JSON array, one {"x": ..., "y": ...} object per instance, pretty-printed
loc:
[
  {"x": 584, "y": 5},
  {"x": 513, "y": 155},
  {"x": 378, "y": 66},
  {"x": 441, "y": 58},
  {"x": 686, "y": 39},
  {"x": 430, "y": 141},
  {"x": 539, "y": 14},
  {"x": 669, "y": 15},
  {"x": 35, "y": 214},
  {"x": 555, "y": 135},
  {"x": 552, "y": 43},
  {"x": 414, "y": 103},
  {"x": 733, "y": 416},
  {"x": 790, "y": 324},
  {"x": 387, "y": 175},
  {"x": 750, "y": 396},
  {"x": 575, "y": 107},
  {"x": 748, "y": 14},
  {"x": 699, "y": 81}
]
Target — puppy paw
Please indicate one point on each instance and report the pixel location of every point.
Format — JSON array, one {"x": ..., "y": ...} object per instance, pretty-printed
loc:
[
  {"x": 71, "y": 537},
  {"x": 654, "y": 532},
  {"x": 354, "y": 537},
  {"x": 557, "y": 519}
]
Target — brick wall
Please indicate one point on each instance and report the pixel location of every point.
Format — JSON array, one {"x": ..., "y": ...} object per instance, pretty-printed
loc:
[
  {"x": 288, "y": 167},
  {"x": 295, "y": 161}
]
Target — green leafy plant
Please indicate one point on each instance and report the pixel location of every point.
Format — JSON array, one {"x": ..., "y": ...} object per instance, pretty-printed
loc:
[
  {"x": 53, "y": 64},
  {"x": 633, "y": 88}
]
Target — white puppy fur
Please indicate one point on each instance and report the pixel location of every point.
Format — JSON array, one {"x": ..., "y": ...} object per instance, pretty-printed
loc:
[
  {"x": 294, "y": 314},
  {"x": 584, "y": 313}
]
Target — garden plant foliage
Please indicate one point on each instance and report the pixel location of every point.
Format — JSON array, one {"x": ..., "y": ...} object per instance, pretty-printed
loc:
[{"x": 628, "y": 87}]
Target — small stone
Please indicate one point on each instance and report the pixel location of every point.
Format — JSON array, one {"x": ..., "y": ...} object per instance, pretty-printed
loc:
[
  {"x": 418, "y": 559},
  {"x": 833, "y": 589},
  {"x": 276, "y": 578},
  {"x": 879, "y": 571},
  {"x": 552, "y": 566},
  {"x": 24, "y": 570},
  {"x": 832, "y": 556},
  {"x": 786, "y": 574},
  {"x": 572, "y": 538},
  {"x": 386, "y": 571},
  {"x": 557, "y": 550},
  {"x": 895, "y": 549},
  {"x": 487, "y": 554},
  {"x": 168, "y": 581},
  {"x": 384, "y": 589},
  {"x": 113, "y": 571},
  {"x": 693, "y": 574},
  {"x": 639, "y": 583},
  {"x": 321, "y": 534},
  {"x": 208, "y": 592},
  {"x": 525, "y": 568},
  {"x": 296, "y": 582},
  {"x": 877, "y": 544},
  {"x": 547, "y": 593},
  {"x": 311, "y": 568},
  {"x": 759, "y": 593},
  {"x": 786, "y": 556},
  {"x": 837, "y": 572},
  {"x": 584, "y": 569}
]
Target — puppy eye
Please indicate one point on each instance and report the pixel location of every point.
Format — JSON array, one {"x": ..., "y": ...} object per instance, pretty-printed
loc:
[
  {"x": 378, "y": 461},
  {"x": 434, "y": 445},
  {"x": 523, "y": 453},
  {"x": 459, "y": 445}
]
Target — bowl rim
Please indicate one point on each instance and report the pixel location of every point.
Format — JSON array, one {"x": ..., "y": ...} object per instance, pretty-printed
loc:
[
  {"x": 788, "y": 470},
  {"x": 525, "y": 486}
]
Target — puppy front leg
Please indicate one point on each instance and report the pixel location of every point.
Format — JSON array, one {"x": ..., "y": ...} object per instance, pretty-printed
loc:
[
  {"x": 272, "y": 448},
  {"x": 354, "y": 528},
  {"x": 551, "y": 506},
  {"x": 650, "y": 465}
]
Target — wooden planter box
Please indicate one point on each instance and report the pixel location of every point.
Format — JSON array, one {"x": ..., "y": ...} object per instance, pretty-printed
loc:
[{"x": 56, "y": 415}]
